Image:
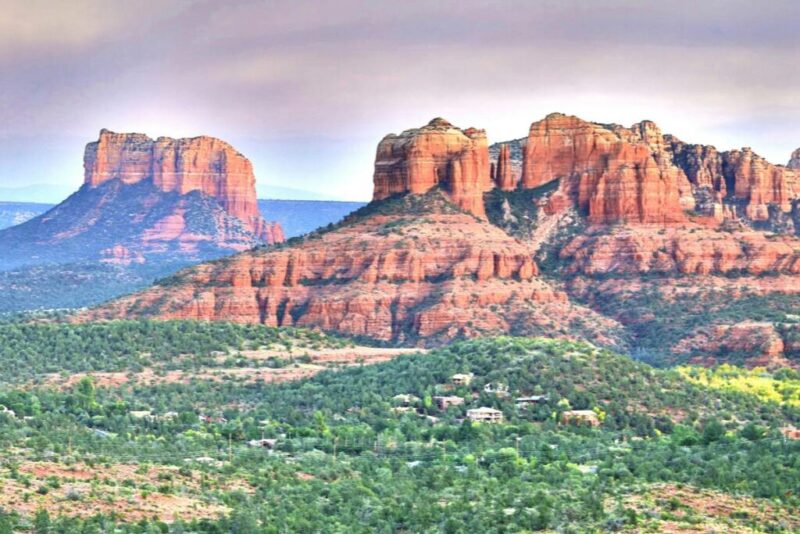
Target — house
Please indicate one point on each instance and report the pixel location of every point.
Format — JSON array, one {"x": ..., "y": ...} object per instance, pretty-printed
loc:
[
  {"x": 405, "y": 399},
  {"x": 265, "y": 443},
  {"x": 443, "y": 402},
  {"x": 530, "y": 400},
  {"x": 212, "y": 419},
  {"x": 580, "y": 417},
  {"x": 489, "y": 415},
  {"x": 148, "y": 416},
  {"x": 404, "y": 409},
  {"x": 461, "y": 379},
  {"x": 790, "y": 432},
  {"x": 499, "y": 390}
]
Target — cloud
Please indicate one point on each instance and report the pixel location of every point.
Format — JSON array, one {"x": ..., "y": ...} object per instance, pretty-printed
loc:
[{"x": 342, "y": 73}]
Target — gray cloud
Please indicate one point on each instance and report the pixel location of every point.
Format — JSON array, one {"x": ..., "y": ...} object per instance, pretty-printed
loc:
[{"x": 306, "y": 89}]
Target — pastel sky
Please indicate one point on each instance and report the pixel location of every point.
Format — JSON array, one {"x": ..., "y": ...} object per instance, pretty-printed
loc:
[{"x": 307, "y": 89}]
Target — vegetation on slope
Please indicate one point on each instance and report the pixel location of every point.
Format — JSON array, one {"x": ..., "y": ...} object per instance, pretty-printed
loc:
[
  {"x": 31, "y": 349},
  {"x": 655, "y": 324},
  {"x": 780, "y": 387},
  {"x": 516, "y": 212},
  {"x": 345, "y": 457}
]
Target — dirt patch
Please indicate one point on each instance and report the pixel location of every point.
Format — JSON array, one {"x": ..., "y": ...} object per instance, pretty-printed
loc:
[
  {"x": 687, "y": 509},
  {"x": 131, "y": 492},
  {"x": 316, "y": 362}
]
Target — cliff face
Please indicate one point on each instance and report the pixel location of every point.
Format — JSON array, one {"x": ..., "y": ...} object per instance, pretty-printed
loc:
[
  {"x": 611, "y": 173},
  {"x": 656, "y": 244},
  {"x": 203, "y": 164},
  {"x": 404, "y": 274},
  {"x": 144, "y": 200},
  {"x": 703, "y": 164},
  {"x": 437, "y": 154},
  {"x": 763, "y": 343},
  {"x": 739, "y": 176},
  {"x": 760, "y": 183},
  {"x": 687, "y": 250},
  {"x": 504, "y": 178}
]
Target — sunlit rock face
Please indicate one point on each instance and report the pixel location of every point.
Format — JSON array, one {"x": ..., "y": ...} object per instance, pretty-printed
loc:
[
  {"x": 438, "y": 154},
  {"x": 612, "y": 174},
  {"x": 204, "y": 164}
]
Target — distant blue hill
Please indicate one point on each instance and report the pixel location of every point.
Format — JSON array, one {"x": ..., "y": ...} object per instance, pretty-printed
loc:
[
  {"x": 14, "y": 213},
  {"x": 37, "y": 193},
  {"x": 84, "y": 282},
  {"x": 299, "y": 217}
]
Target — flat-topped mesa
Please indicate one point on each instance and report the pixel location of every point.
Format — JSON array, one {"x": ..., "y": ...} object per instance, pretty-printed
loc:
[
  {"x": 204, "y": 164},
  {"x": 613, "y": 174},
  {"x": 438, "y": 154}
]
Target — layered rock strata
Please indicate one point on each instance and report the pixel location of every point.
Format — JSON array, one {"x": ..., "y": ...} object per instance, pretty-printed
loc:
[
  {"x": 683, "y": 250},
  {"x": 611, "y": 173},
  {"x": 504, "y": 178},
  {"x": 436, "y": 155},
  {"x": 419, "y": 277},
  {"x": 204, "y": 164}
]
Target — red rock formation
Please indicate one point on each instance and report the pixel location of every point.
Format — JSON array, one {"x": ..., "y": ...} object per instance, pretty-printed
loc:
[
  {"x": 760, "y": 183},
  {"x": 203, "y": 164},
  {"x": 437, "y": 154},
  {"x": 761, "y": 342},
  {"x": 740, "y": 175},
  {"x": 613, "y": 174},
  {"x": 701, "y": 163},
  {"x": 687, "y": 250},
  {"x": 399, "y": 277},
  {"x": 503, "y": 173}
]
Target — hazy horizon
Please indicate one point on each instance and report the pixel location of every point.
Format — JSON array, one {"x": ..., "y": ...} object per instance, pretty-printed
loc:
[{"x": 307, "y": 89}]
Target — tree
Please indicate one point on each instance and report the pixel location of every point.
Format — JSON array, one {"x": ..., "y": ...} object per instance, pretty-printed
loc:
[
  {"x": 712, "y": 431},
  {"x": 753, "y": 432},
  {"x": 41, "y": 522},
  {"x": 85, "y": 393},
  {"x": 6, "y": 524}
]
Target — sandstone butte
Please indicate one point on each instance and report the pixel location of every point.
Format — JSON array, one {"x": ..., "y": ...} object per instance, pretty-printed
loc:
[
  {"x": 648, "y": 205},
  {"x": 612, "y": 174},
  {"x": 436, "y": 155},
  {"x": 204, "y": 164}
]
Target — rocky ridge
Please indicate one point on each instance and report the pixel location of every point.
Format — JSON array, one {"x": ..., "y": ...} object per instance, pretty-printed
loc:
[
  {"x": 414, "y": 271},
  {"x": 620, "y": 219},
  {"x": 436, "y": 155},
  {"x": 612, "y": 174}
]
